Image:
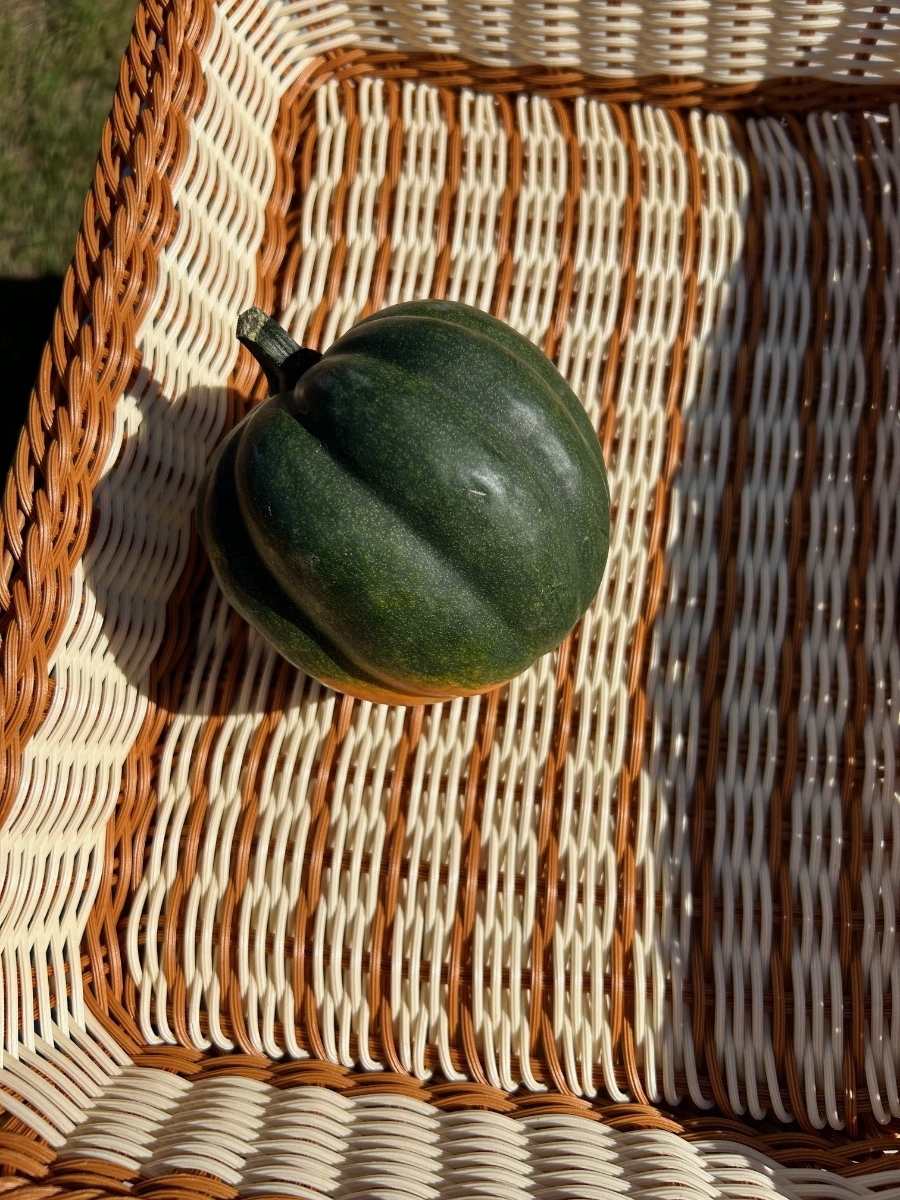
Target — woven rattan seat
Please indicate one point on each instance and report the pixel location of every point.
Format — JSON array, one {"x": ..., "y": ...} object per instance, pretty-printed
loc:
[{"x": 625, "y": 926}]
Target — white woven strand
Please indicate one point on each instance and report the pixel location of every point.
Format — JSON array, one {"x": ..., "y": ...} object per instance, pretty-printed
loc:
[
  {"x": 392, "y": 1139},
  {"x": 640, "y": 438},
  {"x": 174, "y": 800},
  {"x": 816, "y": 815},
  {"x": 347, "y": 904},
  {"x": 586, "y": 833},
  {"x": 473, "y": 252},
  {"x": 311, "y": 1142},
  {"x": 414, "y": 236},
  {"x": 484, "y": 1155},
  {"x": 361, "y": 217},
  {"x": 682, "y": 633},
  {"x": 285, "y": 34},
  {"x": 841, "y": 40},
  {"x": 268, "y": 905},
  {"x": 881, "y": 742},
  {"x": 215, "y": 1132},
  {"x": 296, "y": 746},
  {"x": 423, "y": 923},
  {"x": 748, "y": 708},
  {"x": 316, "y": 226},
  {"x": 504, "y": 918},
  {"x": 837, "y": 40},
  {"x": 126, "y": 1120},
  {"x": 425, "y": 915},
  {"x": 597, "y": 253},
  {"x": 301, "y": 1147},
  {"x": 600, "y": 706},
  {"x": 587, "y": 859},
  {"x": 163, "y": 866},
  {"x": 541, "y": 194},
  {"x": 210, "y": 885}
]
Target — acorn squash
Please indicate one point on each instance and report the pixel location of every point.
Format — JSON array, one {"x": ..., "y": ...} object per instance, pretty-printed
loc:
[{"x": 419, "y": 513}]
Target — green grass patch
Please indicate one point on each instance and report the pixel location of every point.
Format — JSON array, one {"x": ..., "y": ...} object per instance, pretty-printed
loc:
[{"x": 59, "y": 63}]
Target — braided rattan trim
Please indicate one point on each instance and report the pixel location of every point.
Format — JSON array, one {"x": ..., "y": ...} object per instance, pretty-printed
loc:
[{"x": 91, "y": 356}]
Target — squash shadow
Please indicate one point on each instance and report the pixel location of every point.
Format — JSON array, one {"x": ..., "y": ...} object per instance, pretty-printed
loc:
[{"x": 145, "y": 572}]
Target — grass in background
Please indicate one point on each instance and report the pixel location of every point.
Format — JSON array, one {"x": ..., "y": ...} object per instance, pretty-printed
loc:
[{"x": 59, "y": 63}]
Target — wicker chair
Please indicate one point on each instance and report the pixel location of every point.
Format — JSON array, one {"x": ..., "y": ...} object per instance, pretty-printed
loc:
[{"x": 627, "y": 925}]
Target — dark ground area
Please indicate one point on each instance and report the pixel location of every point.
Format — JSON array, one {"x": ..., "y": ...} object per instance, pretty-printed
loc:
[{"x": 26, "y": 316}]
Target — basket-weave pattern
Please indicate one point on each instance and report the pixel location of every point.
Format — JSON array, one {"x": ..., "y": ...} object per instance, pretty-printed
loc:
[{"x": 656, "y": 874}]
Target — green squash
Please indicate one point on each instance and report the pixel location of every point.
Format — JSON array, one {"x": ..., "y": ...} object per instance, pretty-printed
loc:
[{"x": 419, "y": 513}]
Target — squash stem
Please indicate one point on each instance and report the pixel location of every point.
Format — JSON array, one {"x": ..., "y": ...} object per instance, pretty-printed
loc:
[{"x": 275, "y": 350}]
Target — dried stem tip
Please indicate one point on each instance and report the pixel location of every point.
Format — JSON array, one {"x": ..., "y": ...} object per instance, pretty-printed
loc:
[{"x": 274, "y": 349}]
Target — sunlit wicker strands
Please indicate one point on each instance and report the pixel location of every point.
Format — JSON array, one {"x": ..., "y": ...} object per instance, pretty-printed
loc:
[{"x": 625, "y": 925}]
